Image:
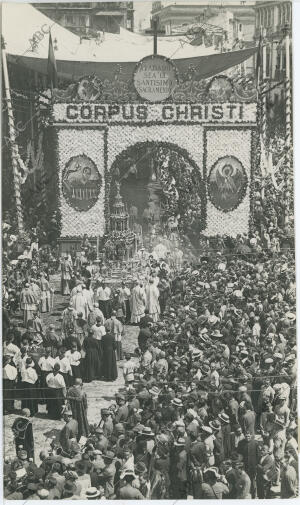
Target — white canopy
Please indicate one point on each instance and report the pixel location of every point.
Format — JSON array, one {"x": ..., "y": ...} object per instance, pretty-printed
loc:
[{"x": 21, "y": 21}]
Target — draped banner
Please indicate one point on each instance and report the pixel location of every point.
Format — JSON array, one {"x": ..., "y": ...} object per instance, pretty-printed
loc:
[{"x": 203, "y": 66}]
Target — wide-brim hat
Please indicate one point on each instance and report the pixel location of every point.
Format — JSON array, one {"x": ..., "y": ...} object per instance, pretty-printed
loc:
[
  {"x": 92, "y": 492},
  {"x": 203, "y": 331},
  {"x": 217, "y": 334},
  {"x": 154, "y": 391},
  {"x": 244, "y": 352},
  {"x": 207, "y": 429},
  {"x": 269, "y": 361},
  {"x": 109, "y": 455},
  {"x": 43, "y": 493},
  {"x": 224, "y": 417},
  {"x": 127, "y": 473},
  {"x": 290, "y": 357},
  {"x": 177, "y": 402},
  {"x": 147, "y": 432},
  {"x": 140, "y": 468},
  {"x": 192, "y": 413},
  {"x": 215, "y": 424},
  {"x": 196, "y": 352},
  {"x": 212, "y": 469},
  {"x": 180, "y": 442},
  {"x": 279, "y": 422},
  {"x": 138, "y": 428}
]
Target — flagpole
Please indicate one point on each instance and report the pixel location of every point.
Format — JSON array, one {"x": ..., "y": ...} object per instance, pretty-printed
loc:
[
  {"x": 288, "y": 110},
  {"x": 13, "y": 145},
  {"x": 264, "y": 92},
  {"x": 262, "y": 98}
]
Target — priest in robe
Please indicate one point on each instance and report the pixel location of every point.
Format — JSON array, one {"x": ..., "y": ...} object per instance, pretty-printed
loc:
[
  {"x": 66, "y": 274},
  {"x": 138, "y": 302},
  {"x": 78, "y": 403},
  {"x": 152, "y": 300},
  {"x": 79, "y": 302},
  {"x": 109, "y": 363},
  {"x": 23, "y": 433},
  {"x": 28, "y": 303},
  {"x": 46, "y": 293}
]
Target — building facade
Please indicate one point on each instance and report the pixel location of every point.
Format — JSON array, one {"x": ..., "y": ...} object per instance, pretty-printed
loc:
[
  {"x": 88, "y": 18},
  {"x": 272, "y": 18},
  {"x": 171, "y": 15}
]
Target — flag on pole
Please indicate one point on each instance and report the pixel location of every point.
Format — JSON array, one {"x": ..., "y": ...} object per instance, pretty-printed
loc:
[
  {"x": 264, "y": 158},
  {"x": 266, "y": 163},
  {"x": 52, "y": 70}
]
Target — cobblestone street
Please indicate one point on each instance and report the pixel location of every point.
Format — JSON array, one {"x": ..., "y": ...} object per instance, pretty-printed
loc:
[{"x": 99, "y": 393}]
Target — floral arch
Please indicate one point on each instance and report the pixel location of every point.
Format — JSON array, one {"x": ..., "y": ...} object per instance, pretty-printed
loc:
[{"x": 183, "y": 194}]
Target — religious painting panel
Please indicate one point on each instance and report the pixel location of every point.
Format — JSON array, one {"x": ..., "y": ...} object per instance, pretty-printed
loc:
[
  {"x": 81, "y": 157},
  {"x": 227, "y": 162}
]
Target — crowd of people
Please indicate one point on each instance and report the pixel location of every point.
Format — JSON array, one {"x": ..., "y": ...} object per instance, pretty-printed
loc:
[{"x": 208, "y": 408}]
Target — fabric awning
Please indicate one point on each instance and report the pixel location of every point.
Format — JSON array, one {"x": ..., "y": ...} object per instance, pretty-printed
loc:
[{"x": 205, "y": 66}]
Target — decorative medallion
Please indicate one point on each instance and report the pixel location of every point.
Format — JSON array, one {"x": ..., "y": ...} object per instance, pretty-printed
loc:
[
  {"x": 245, "y": 89},
  {"x": 155, "y": 78},
  {"x": 219, "y": 89},
  {"x": 227, "y": 183},
  {"x": 81, "y": 183},
  {"x": 89, "y": 89}
]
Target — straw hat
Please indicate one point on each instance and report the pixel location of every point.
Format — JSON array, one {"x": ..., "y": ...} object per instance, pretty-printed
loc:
[
  {"x": 180, "y": 442},
  {"x": 177, "y": 402},
  {"x": 92, "y": 492},
  {"x": 224, "y": 417}
]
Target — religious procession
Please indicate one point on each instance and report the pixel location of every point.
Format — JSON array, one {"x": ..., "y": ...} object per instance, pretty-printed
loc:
[{"x": 148, "y": 269}]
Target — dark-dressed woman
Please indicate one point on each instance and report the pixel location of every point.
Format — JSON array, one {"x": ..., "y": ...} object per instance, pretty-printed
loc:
[
  {"x": 56, "y": 393},
  {"x": 30, "y": 393},
  {"x": 92, "y": 363},
  {"x": 109, "y": 345}
]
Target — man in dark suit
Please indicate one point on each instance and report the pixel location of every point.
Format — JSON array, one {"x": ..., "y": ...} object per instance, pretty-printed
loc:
[
  {"x": 146, "y": 320},
  {"x": 266, "y": 471},
  {"x": 122, "y": 412},
  {"x": 69, "y": 432},
  {"x": 144, "y": 336},
  {"x": 248, "y": 419},
  {"x": 249, "y": 448}
]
